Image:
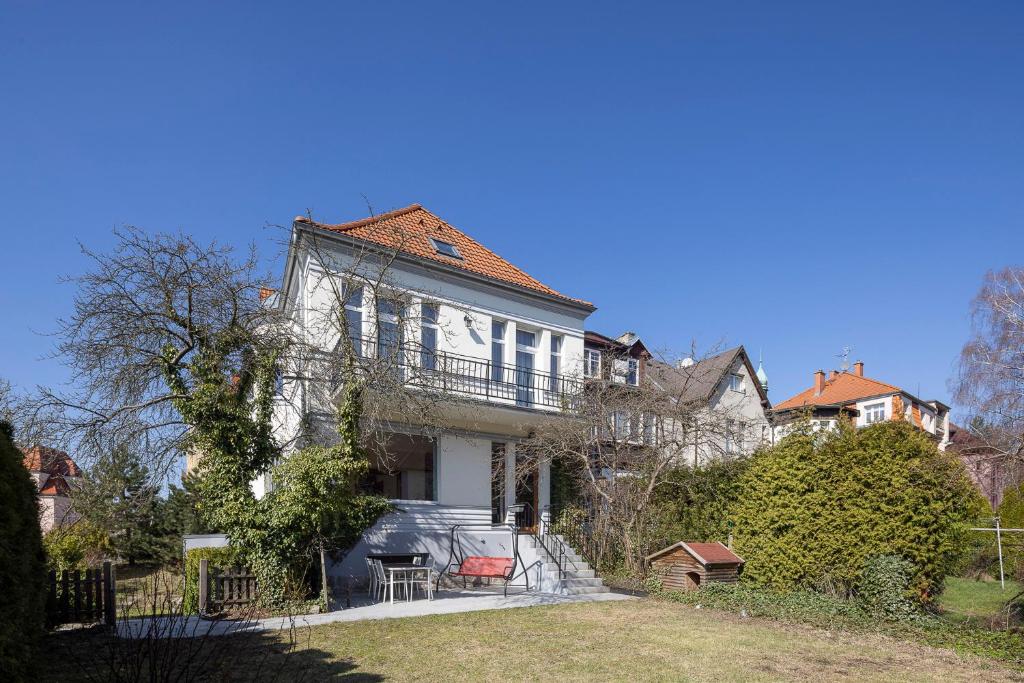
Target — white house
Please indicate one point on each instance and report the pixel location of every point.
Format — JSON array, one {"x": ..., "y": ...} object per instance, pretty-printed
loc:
[
  {"x": 731, "y": 399},
  {"x": 863, "y": 400},
  {"x": 54, "y": 472},
  {"x": 506, "y": 350}
]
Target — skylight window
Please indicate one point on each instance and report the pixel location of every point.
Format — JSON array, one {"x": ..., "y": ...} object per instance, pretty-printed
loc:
[{"x": 445, "y": 248}]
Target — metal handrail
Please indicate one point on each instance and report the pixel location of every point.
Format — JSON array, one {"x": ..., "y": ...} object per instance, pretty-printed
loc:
[
  {"x": 555, "y": 547},
  {"x": 579, "y": 537},
  {"x": 451, "y": 372}
]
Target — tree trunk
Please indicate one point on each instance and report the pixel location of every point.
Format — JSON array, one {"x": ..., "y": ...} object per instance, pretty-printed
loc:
[{"x": 323, "y": 579}]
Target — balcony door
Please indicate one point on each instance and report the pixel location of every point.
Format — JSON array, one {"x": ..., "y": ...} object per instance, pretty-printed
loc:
[{"x": 526, "y": 350}]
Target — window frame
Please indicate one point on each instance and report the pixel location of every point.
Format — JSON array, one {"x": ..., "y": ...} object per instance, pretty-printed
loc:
[
  {"x": 874, "y": 413},
  {"x": 735, "y": 379},
  {"x": 429, "y": 324},
  {"x": 588, "y": 355},
  {"x": 498, "y": 350},
  {"x": 555, "y": 361},
  {"x": 436, "y": 244}
]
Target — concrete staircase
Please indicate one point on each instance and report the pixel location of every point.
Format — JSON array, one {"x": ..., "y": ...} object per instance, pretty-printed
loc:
[{"x": 580, "y": 578}]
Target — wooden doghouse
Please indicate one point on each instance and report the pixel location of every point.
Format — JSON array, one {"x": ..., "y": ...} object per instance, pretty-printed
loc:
[{"x": 686, "y": 566}]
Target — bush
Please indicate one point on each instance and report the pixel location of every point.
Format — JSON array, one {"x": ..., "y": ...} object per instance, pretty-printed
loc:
[
  {"x": 22, "y": 565},
  {"x": 817, "y": 506},
  {"x": 78, "y": 546},
  {"x": 692, "y": 504},
  {"x": 884, "y": 588},
  {"x": 218, "y": 557}
]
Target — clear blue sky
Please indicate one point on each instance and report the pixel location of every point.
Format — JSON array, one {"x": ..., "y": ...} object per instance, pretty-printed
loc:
[{"x": 795, "y": 177}]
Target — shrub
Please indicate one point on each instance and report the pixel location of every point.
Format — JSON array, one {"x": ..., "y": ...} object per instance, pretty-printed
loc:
[
  {"x": 692, "y": 504},
  {"x": 22, "y": 565},
  {"x": 884, "y": 588},
  {"x": 218, "y": 557},
  {"x": 817, "y": 506},
  {"x": 78, "y": 546}
]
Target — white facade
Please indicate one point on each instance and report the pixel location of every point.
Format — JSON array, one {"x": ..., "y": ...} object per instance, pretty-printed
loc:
[
  {"x": 734, "y": 422},
  {"x": 482, "y": 413}
]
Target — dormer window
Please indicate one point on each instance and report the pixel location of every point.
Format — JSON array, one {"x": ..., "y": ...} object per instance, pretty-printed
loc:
[{"x": 445, "y": 248}]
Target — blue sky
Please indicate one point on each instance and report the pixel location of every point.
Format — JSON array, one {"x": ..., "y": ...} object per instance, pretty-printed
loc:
[{"x": 795, "y": 177}]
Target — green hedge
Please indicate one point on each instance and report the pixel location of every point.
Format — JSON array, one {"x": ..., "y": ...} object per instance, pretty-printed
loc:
[
  {"x": 22, "y": 566},
  {"x": 817, "y": 506},
  {"x": 218, "y": 557}
]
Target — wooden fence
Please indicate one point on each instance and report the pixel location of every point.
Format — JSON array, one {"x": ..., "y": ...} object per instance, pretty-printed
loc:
[
  {"x": 225, "y": 589},
  {"x": 77, "y": 596}
]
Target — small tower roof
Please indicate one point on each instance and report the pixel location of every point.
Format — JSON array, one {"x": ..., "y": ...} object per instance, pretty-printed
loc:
[{"x": 762, "y": 376}]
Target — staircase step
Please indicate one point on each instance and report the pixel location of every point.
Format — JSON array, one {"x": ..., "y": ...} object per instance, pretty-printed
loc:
[
  {"x": 587, "y": 590},
  {"x": 582, "y": 583}
]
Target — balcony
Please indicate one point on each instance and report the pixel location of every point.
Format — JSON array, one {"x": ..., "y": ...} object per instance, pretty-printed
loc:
[{"x": 446, "y": 373}]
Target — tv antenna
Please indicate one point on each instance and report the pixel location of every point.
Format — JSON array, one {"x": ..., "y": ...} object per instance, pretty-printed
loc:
[{"x": 845, "y": 355}]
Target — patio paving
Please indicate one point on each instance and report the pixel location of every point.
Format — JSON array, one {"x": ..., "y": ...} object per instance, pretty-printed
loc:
[{"x": 444, "y": 602}]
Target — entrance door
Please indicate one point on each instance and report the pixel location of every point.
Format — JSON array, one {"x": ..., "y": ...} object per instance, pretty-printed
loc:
[
  {"x": 526, "y": 345},
  {"x": 526, "y": 493}
]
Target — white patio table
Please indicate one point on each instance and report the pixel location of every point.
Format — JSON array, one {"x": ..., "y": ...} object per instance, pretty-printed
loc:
[{"x": 404, "y": 568}]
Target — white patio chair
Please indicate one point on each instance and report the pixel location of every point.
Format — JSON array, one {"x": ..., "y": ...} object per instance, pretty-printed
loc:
[
  {"x": 381, "y": 580},
  {"x": 371, "y": 588},
  {"x": 424, "y": 579}
]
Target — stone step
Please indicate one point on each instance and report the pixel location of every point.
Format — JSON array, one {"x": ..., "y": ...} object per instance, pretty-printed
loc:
[
  {"x": 582, "y": 583},
  {"x": 582, "y": 569},
  {"x": 586, "y": 590}
]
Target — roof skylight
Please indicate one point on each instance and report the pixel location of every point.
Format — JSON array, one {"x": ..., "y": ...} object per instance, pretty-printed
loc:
[{"x": 445, "y": 248}]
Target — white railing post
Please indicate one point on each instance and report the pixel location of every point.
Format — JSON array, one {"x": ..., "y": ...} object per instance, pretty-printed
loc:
[{"x": 545, "y": 521}]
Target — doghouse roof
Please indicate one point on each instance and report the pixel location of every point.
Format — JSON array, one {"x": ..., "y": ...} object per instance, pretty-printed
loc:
[{"x": 705, "y": 553}]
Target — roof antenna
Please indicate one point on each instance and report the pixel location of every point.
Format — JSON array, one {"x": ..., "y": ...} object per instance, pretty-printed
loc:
[{"x": 845, "y": 355}]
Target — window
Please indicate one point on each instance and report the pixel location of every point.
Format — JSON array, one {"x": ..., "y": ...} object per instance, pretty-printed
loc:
[
  {"x": 874, "y": 412},
  {"x": 734, "y": 436},
  {"x": 445, "y": 248},
  {"x": 405, "y": 473},
  {"x": 626, "y": 371},
  {"x": 353, "y": 298},
  {"x": 497, "y": 350},
  {"x": 824, "y": 424},
  {"x": 633, "y": 371},
  {"x": 736, "y": 383},
  {"x": 389, "y": 333},
  {"x": 428, "y": 336},
  {"x": 556, "y": 361},
  {"x": 526, "y": 343},
  {"x": 591, "y": 363},
  {"x": 648, "y": 420},
  {"x": 620, "y": 420}
]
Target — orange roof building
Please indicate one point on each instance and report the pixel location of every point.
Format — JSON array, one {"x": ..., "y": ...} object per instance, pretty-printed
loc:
[
  {"x": 851, "y": 395},
  {"x": 53, "y": 471},
  {"x": 417, "y": 232}
]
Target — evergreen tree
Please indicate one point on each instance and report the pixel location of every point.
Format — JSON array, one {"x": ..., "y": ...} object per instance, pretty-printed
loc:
[
  {"x": 22, "y": 565},
  {"x": 116, "y": 495}
]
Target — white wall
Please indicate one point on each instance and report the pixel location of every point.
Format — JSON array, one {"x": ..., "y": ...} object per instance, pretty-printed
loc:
[{"x": 463, "y": 471}]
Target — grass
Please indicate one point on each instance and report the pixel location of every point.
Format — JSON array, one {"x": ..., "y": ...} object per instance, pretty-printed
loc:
[
  {"x": 976, "y": 599},
  {"x": 630, "y": 640},
  {"x": 143, "y": 590}
]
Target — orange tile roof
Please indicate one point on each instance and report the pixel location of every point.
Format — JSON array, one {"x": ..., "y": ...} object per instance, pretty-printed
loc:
[
  {"x": 844, "y": 388},
  {"x": 56, "y": 485},
  {"x": 51, "y": 461},
  {"x": 408, "y": 230}
]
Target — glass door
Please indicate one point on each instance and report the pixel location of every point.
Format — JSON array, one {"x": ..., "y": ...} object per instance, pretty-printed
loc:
[{"x": 526, "y": 348}]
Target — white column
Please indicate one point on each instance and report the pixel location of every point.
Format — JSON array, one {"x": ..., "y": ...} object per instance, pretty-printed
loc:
[
  {"x": 544, "y": 495},
  {"x": 544, "y": 485},
  {"x": 510, "y": 480}
]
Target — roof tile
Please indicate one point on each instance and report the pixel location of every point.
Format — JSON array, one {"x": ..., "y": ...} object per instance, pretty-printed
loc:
[
  {"x": 845, "y": 387},
  {"x": 409, "y": 230}
]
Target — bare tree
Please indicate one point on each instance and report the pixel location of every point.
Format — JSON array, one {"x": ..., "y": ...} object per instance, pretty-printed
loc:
[
  {"x": 619, "y": 442},
  {"x": 990, "y": 379},
  {"x": 362, "y": 321},
  {"x": 149, "y": 318}
]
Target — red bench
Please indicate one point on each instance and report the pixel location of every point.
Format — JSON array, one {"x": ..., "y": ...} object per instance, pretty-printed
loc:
[{"x": 486, "y": 567}]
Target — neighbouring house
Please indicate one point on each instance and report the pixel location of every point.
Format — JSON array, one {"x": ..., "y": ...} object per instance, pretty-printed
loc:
[
  {"x": 732, "y": 403},
  {"x": 686, "y": 566},
  {"x": 54, "y": 473},
  {"x": 988, "y": 467},
  {"x": 498, "y": 350},
  {"x": 845, "y": 394}
]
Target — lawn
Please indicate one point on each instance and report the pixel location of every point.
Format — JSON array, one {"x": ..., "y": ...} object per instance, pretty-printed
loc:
[
  {"x": 970, "y": 598},
  {"x": 634, "y": 640}
]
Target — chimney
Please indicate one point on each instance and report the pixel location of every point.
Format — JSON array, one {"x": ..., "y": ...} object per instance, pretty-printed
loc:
[
  {"x": 858, "y": 368},
  {"x": 833, "y": 374},
  {"x": 266, "y": 293},
  {"x": 819, "y": 382}
]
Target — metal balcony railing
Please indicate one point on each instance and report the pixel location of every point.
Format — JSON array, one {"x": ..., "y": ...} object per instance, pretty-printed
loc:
[{"x": 417, "y": 366}]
